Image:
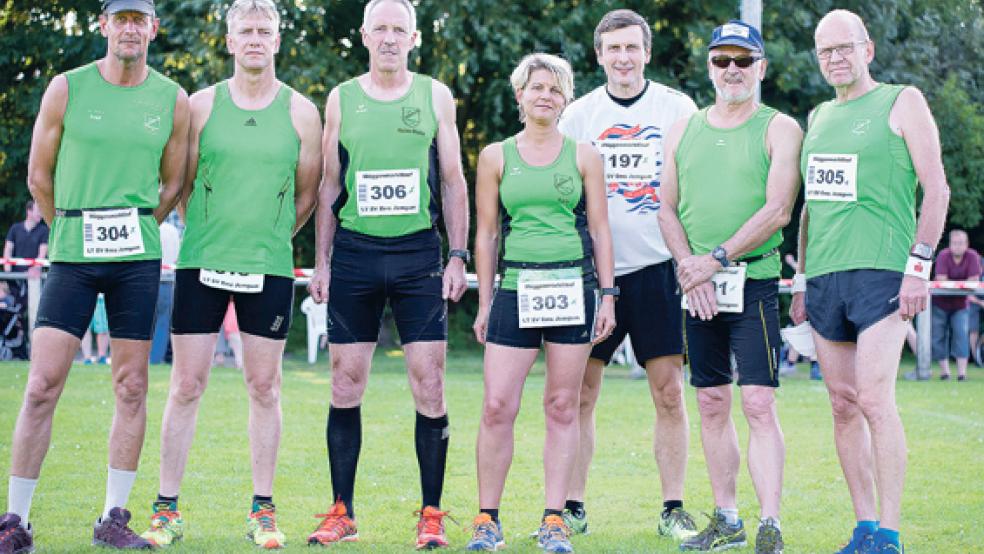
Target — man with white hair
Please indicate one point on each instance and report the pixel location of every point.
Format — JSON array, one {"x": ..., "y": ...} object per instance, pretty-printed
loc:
[
  {"x": 392, "y": 169},
  {"x": 865, "y": 272},
  {"x": 252, "y": 181}
]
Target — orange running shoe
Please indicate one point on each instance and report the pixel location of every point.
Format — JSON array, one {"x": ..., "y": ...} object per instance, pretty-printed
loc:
[
  {"x": 336, "y": 526},
  {"x": 430, "y": 529}
]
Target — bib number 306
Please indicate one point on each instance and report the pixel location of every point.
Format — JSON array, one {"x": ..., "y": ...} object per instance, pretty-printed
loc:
[
  {"x": 550, "y": 298},
  {"x": 388, "y": 192},
  {"x": 111, "y": 233}
]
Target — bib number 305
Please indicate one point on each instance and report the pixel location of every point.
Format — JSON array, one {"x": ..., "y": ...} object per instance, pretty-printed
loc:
[
  {"x": 550, "y": 298},
  {"x": 111, "y": 233}
]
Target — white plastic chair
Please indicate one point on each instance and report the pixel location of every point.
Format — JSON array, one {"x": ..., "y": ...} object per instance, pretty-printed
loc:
[{"x": 317, "y": 325}]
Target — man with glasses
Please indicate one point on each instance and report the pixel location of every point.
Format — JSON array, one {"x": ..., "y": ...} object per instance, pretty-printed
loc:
[
  {"x": 728, "y": 188},
  {"x": 107, "y": 158},
  {"x": 864, "y": 274}
]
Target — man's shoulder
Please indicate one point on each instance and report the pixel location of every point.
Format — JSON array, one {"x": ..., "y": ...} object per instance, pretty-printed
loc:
[{"x": 588, "y": 101}]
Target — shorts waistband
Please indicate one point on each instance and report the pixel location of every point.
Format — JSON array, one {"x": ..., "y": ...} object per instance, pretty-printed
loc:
[{"x": 78, "y": 213}]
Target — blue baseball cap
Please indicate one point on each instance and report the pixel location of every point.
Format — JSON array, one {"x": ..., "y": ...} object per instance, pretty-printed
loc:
[
  {"x": 115, "y": 6},
  {"x": 737, "y": 33}
]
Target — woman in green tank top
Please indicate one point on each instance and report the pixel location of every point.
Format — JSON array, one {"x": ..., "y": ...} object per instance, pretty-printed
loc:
[{"x": 555, "y": 250}]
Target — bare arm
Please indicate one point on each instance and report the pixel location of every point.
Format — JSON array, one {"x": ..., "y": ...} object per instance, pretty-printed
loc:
[
  {"x": 175, "y": 158},
  {"x": 489, "y": 175},
  {"x": 331, "y": 186},
  {"x": 454, "y": 190},
  {"x": 201, "y": 109},
  {"x": 669, "y": 219},
  {"x": 783, "y": 140},
  {"x": 307, "y": 123},
  {"x": 44, "y": 146},
  {"x": 592, "y": 173},
  {"x": 8, "y": 251}
]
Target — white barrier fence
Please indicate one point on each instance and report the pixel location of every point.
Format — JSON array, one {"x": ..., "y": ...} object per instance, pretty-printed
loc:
[{"x": 303, "y": 276}]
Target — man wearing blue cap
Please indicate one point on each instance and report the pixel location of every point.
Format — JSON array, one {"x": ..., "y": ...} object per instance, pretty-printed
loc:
[
  {"x": 729, "y": 184},
  {"x": 107, "y": 160}
]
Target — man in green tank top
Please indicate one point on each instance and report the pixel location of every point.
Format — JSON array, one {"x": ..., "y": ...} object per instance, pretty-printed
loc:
[
  {"x": 252, "y": 181},
  {"x": 107, "y": 158},
  {"x": 728, "y": 188},
  {"x": 864, "y": 273},
  {"x": 392, "y": 171}
]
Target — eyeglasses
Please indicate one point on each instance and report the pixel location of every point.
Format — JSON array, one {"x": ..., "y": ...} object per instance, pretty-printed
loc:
[
  {"x": 742, "y": 62},
  {"x": 843, "y": 50}
]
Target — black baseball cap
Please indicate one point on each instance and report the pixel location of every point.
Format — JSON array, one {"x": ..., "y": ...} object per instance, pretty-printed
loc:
[{"x": 115, "y": 6}]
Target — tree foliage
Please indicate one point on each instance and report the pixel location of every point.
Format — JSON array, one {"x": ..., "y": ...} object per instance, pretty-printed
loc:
[{"x": 473, "y": 45}]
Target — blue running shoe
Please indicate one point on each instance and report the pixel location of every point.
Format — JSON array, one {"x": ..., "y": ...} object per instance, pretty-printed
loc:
[
  {"x": 487, "y": 535},
  {"x": 875, "y": 546},
  {"x": 554, "y": 535},
  {"x": 859, "y": 539}
]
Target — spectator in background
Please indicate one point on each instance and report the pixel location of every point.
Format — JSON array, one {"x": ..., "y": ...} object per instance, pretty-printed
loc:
[
  {"x": 170, "y": 243},
  {"x": 26, "y": 239},
  {"x": 975, "y": 303},
  {"x": 958, "y": 262},
  {"x": 100, "y": 327}
]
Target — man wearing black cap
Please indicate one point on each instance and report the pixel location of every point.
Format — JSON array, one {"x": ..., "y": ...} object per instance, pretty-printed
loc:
[
  {"x": 728, "y": 188},
  {"x": 106, "y": 166}
]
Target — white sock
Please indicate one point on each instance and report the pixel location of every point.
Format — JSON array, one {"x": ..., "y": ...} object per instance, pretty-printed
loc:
[
  {"x": 20, "y": 492},
  {"x": 730, "y": 515},
  {"x": 773, "y": 520},
  {"x": 118, "y": 485}
]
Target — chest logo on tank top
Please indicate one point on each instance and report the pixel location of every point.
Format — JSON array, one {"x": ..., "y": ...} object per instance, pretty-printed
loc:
[
  {"x": 251, "y": 122},
  {"x": 411, "y": 117},
  {"x": 564, "y": 184},
  {"x": 860, "y": 126},
  {"x": 152, "y": 122}
]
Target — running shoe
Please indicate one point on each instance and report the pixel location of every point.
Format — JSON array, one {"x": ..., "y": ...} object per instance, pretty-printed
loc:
[
  {"x": 486, "y": 535},
  {"x": 335, "y": 526},
  {"x": 430, "y": 529},
  {"x": 261, "y": 527},
  {"x": 114, "y": 532},
  {"x": 577, "y": 522},
  {"x": 15, "y": 539},
  {"x": 677, "y": 524},
  {"x": 879, "y": 547},
  {"x": 554, "y": 535},
  {"x": 768, "y": 540},
  {"x": 166, "y": 525},
  {"x": 859, "y": 540},
  {"x": 718, "y": 535}
]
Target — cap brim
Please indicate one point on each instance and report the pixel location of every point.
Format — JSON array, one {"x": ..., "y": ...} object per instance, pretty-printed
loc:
[
  {"x": 732, "y": 41},
  {"x": 130, "y": 6}
]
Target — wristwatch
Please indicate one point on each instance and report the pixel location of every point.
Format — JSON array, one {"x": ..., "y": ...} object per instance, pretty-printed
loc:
[
  {"x": 922, "y": 250},
  {"x": 460, "y": 253},
  {"x": 721, "y": 255},
  {"x": 614, "y": 292}
]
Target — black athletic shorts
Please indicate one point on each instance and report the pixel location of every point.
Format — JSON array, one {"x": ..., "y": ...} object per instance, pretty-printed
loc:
[
  {"x": 69, "y": 297},
  {"x": 753, "y": 337},
  {"x": 504, "y": 326},
  {"x": 200, "y": 309},
  {"x": 648, "y": 311},
  {"x": 364, "y": 280},
  {"x": 842, "y": 304}
]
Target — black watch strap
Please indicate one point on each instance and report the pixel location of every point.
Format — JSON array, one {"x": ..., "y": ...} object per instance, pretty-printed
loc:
[
  {"x": 610, "y": 291},
  {"x": 460, "y": 253}
]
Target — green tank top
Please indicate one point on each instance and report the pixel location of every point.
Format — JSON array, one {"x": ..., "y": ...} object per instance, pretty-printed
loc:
[
  {"x": 112, "y": 141},
  {"x": 722, "y": 177},
  {"x": 876, "y": 230},
  {"x": 241, "y": 214},
  {"x": 389, "y": 167},
  {"x": 543, "y": 211}
]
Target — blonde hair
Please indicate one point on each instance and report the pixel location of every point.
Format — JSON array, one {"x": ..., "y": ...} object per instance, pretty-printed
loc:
[
  {"x": 240, "y": 8},
  {"x": 560, "y": 68}
]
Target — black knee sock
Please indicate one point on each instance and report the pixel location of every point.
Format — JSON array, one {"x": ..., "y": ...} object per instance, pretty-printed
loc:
[
  {"x": 549, "y": 512},
  {"x": 259, "y": 501},
  {"x": 493, "y": 513},
  {"x": 344, "y": 436},
  {"x": 431, "y": 436},
  {"x": 170, "y": 501},
  {"x": 575, "y": 506},
  {"x": 670, "y": 505}
]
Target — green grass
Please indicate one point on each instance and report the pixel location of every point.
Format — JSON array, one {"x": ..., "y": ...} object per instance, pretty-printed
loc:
[{"x": 944, "y": 505}]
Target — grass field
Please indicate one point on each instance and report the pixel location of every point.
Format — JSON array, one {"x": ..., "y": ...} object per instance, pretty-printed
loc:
[{"x": 944, "y": 500}]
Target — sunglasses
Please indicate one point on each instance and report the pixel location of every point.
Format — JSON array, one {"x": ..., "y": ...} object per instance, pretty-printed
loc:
[{"x": 742, "y": 62}]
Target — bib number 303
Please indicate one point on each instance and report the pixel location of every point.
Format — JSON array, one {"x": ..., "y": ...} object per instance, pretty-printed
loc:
[
  {"x": 388, "y": 192},
  {"x": 111, "y": 233},
  {"x": 729, "y": 289},
  {"x": 550, "y": 297}
]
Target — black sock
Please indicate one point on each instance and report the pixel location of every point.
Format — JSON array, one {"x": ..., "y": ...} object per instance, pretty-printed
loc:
[
  {"x": 576, "y": 507},
  {"x": 431, "y": 437},
  {"x": 493, "y": 513},
  {"x": 171, "y": 501},
  {"x": 671, "y": 505},
  {"x": 259, "y": 501},
  {"x": 344, "y": 436},
  {"x": 549, "y": 512}
]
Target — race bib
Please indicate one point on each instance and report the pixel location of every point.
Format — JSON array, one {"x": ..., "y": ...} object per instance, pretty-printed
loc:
[
  {"x": 729, "y": 289},
  {"x": 629, "y": 161},
  {"x": 388, "y": 192},
  {"x": 111, "y": 233},
  {"x": 550, "y": 297},
  {"x": 832, "y": 177},
  {"x": 231, "y": 281}
]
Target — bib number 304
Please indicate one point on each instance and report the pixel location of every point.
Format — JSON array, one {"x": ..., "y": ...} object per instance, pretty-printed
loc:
[
  {"x": 111, "y": 233},
  {"x": 550, "y": 297}
]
